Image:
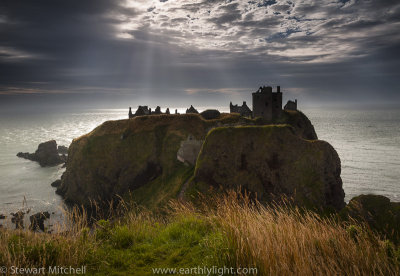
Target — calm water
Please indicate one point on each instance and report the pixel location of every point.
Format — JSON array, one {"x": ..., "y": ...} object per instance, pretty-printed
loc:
[{"x": 368, "y": 143}]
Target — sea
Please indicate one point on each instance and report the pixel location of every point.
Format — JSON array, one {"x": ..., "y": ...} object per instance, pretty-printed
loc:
[{"x": 367, "y": 141}]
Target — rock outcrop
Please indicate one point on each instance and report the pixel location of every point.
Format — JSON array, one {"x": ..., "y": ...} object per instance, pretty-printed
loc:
[
  {"x": 18, "y": 219},
  {"x": 37, "y": 221},
  {"x": 301, "y": 124},
  {"x": 189, "y": 150},
  {"x": 45, "y": 155},
  {"x": 56, "y": 183},
  {"x": 377, "y": 212},
  {"x": 142, "y": 155},
  {"x": 62, "y": 149},
  {"x": 271, "y": 161}
]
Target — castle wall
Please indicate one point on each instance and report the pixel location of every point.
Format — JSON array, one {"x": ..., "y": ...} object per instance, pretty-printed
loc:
[
  {"x": 262, "y": 104},
  {"x": 276, "y": 105}
]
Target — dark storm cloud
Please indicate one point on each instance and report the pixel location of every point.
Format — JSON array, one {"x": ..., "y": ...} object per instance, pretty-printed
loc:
[
  {"x": 53, "y": 36},
  {"x": 343, "y": 49}
]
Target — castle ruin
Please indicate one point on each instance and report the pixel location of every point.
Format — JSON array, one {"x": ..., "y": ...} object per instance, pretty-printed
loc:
[
  {"x": 266, "y": 104},
  {"x": 143, "y": 110},
  {"x": 291, "y": 105},
  {"x": 243, "y": 110}
]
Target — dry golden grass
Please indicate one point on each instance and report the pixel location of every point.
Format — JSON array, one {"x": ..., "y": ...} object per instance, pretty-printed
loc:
[
  {"x": 67, "y": 246},
  {"x": 232, "y": 231},
  {"x": 284, "y": 240}
]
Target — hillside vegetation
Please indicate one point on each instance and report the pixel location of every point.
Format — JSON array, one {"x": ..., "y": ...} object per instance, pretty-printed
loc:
[
  {"x": 230, "y": 231},
  {"x": 255, "y": 195}
]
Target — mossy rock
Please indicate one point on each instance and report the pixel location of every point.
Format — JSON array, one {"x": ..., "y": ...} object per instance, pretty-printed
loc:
[
  {"x": 138, "y": 156},
  {"x": 270, "y": 162},
  {"x": 377, "y": 212}
]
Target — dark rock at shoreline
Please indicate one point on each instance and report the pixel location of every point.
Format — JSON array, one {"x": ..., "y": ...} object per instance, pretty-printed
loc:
[
  {"x": 62, "y": 149},
  {"x": 18, "y": 219},
  {"x": 378, "y": 212},
  {"x": 37, "y": 220},
  {"x": 56, "y": 183},
  {"x": 26, "y": 155},
  {"x": 46, "y": 154}
]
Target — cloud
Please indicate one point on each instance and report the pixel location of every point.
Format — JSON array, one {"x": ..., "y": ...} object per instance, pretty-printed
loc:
[
  {"x": 147, "y": 46},
  {"x": 232, "y": 91}
]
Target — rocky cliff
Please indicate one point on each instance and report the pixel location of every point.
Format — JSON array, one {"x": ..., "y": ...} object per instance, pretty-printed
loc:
[
  {"x": 153, "y": 156},
  {"x": 270, "y": 161}
]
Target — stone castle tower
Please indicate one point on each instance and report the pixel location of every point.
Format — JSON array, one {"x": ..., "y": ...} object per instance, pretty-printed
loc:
[{"x": 267, "y": 104}]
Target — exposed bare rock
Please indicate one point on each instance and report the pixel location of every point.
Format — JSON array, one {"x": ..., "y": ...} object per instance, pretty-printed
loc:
[
  {"x": 37, "y": 220},
  {"x": 45, "y": 155},
  {"x": 62, "y": 149},
  {"x": 56, "y": 183},
  {"x": 189, "y": 150},
  {"x": 18, "y": 219}
]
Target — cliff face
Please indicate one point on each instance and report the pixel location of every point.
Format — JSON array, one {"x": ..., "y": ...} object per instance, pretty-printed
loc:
[
  {"x": 270, "y": 161},
  {"x": 138, "y": 155},
  {"x": 153, "y": 156}
]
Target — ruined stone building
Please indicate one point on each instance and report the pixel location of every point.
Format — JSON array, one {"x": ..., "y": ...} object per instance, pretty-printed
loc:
[
  {"x": 243, "y": 110},
  {"x": 191, "y": 109},
  {"x": 143, "y": 110},
  {"x": 157, "y": 110},
  {"x": 291, "y": 105},
  {"x": 267, "y": 104}
]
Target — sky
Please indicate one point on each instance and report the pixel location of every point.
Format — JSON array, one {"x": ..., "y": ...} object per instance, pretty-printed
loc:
[{"x": 203, "y": 52}]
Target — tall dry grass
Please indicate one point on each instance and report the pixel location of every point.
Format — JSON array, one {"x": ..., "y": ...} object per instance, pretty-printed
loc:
[
  {"x": 284, "y": 240},
  {"x": 67, "y": 246},
  {"x": 279, "y": 239}
]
